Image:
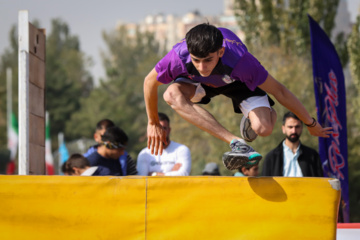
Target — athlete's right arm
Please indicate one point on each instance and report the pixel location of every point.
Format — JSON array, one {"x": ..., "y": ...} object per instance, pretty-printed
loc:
[{"x": 155, "y": 133}]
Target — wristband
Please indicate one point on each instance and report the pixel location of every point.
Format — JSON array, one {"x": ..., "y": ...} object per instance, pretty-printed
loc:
[{"x": 313, "y": 124}]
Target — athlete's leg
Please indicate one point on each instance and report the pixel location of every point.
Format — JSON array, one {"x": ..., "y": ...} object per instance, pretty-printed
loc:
[
  {"x": 179, "y": 94},
  {"x": 263, "y": 120},
  {"x": 262, "y": 116}
]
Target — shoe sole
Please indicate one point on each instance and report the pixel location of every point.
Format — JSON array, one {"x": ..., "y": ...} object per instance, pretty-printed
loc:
[
  {"x": 233, "y": 160},
  {"x": 244, "y": 129}
]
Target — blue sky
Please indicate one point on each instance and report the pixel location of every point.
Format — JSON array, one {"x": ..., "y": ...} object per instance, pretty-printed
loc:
[{"x": 88, "y": 19}]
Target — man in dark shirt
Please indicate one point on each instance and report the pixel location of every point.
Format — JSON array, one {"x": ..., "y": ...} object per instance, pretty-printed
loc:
[
  {"x": 128, "y": 165},
  {"x": 111, "y": 147},
  {"x": 291, "y": 158}
]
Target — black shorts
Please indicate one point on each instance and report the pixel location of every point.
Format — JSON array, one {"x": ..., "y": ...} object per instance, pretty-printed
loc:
[{"x": 237, "y": 91}]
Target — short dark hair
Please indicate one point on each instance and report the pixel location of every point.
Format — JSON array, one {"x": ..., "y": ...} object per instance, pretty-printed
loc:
[
  {"x": 203, "y": 39},
  {"x": 104, "y": 124},
  {"x": 246, "y": 167},
  {"x": 75, "y": 160},
  {"x": 290, "y": 115},
  {"x": 163, "y": 117},
  {"x": 115, "y": 135}
]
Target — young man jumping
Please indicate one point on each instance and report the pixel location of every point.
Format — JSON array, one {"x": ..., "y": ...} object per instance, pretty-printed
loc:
[{"x": 211, "y": 61}]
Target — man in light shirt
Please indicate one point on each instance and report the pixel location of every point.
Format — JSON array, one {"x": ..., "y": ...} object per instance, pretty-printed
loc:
[
  {"x": 174, "y": 161},
  {"x": 291, "y": 158}
]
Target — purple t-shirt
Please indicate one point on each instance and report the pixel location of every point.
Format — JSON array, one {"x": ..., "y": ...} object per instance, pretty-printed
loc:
[{"x": 237, "y": 64}]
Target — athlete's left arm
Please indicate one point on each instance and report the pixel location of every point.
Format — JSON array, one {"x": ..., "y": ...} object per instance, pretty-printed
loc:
[{"x": 291, "y": 102}]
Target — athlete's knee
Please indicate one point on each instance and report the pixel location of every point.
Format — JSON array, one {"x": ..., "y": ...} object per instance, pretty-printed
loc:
[
  {"x": 262, "y": 120},
  {"x": 173, "y": 95},
  {"x": 177, "y": 94},
  {"x": 263, "y": 128},
  {"x": 170, "y": 94}
]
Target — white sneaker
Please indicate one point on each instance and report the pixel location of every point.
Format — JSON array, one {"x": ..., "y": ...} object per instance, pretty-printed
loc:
[{"x": 246, "y": 131}]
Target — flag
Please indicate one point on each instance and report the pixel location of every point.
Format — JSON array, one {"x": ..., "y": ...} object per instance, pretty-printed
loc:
[
  {"x": 49, "y": 160},
  {"x": 64, "y": 154},
  {"x": 330, "y": 97},
  {"x": 12, "y": 133}
]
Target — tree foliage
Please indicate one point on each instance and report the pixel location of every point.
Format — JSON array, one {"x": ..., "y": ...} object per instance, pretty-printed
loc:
[
  {"x": 354, "y": 53},
  {"x": 67, "y": 77},
  {"x": 9, "y": 59},
  {"x": 284, "y": 23},
  {"x": 127, "y": 61},
  {"x": 353, "y": 99}
]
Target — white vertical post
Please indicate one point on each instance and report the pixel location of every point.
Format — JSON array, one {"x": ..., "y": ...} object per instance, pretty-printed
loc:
[
  {"x": 23, "y": 92},
  {"x": 60, "y": 141},
  {"x": 9, "y": 98}
]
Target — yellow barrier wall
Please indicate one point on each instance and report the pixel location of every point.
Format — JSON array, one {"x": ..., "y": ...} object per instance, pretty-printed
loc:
[{"x": 65, "y": 207}]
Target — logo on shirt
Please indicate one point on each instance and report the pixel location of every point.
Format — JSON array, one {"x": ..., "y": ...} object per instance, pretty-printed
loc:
[
  {"x": 154, "y": 163},
  {"x": 227, "y": 79}
]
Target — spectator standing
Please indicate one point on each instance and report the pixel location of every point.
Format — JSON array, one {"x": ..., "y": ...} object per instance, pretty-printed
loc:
[{"x": 291, "y": 158}]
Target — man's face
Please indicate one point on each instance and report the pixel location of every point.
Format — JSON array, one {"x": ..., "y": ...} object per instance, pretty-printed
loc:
[
  {"x": 292, "y": 129},
  {"x": 114, "y": 153},
  {"x": 207, "y": 64},
  {"x": 78, "y": 171},
  {"x": 167, "y": 129},
  {"x": 98, "y": 134}
]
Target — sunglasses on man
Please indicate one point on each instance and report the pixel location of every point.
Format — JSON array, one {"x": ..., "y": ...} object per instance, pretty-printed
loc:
[{"x": 112, "y": 145}]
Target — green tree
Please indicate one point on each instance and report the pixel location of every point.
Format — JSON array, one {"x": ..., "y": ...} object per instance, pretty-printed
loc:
[
  {"x": 283, "y": 23},
  {"x": 120, "y": 96},
  {"x": 9, "y": 59},
  {"x": 354, "y": 122},
  {"x": 67, "y": 77},
  {"x": 354, "y": 52}
]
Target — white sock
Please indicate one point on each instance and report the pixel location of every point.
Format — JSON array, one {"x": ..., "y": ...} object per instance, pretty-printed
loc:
[{"x": 239, "y": 140}]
